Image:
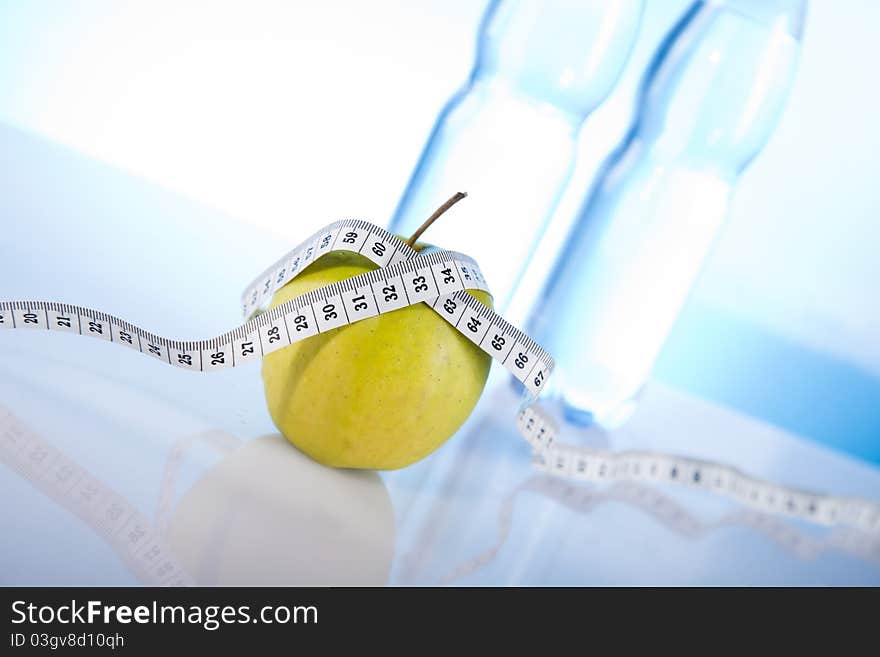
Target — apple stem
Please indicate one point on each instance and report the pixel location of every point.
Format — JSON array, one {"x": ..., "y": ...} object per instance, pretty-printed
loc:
[{"x": 430, "y": 220}]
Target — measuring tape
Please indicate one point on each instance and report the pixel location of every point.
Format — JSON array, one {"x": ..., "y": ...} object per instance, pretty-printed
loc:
[
  {"x": 404, "y": 278},
  {"x": 440, "y": 279},
  {"x": 668, "y": 512}
]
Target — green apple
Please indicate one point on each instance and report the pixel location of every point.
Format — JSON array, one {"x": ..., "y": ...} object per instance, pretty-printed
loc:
[{"x": 381, "y": 393}]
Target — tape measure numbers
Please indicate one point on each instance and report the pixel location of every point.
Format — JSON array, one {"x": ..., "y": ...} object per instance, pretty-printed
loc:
[
  {"x": 440, "y": 279},
  {"x": 404, "y": 278}
]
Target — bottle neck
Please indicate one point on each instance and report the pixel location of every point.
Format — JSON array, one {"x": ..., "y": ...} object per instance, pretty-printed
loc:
[
  {"x": 716, "y": 89},
  {"x": 560, "y": 53}
]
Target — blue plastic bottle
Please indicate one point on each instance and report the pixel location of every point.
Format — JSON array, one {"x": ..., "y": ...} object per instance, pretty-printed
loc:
[
  {"x": 708, "y": 103},
  {"x": 508, "y": 137}
]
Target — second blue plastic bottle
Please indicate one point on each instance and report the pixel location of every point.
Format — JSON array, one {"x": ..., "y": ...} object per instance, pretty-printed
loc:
[{"x": 708, "y": 103}]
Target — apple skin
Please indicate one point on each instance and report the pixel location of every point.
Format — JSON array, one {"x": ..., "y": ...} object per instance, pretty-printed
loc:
[{"x": 381, "y": 393}]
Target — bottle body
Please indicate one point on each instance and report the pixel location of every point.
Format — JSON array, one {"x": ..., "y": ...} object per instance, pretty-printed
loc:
[
  {"x": 508, "y": 137},
  {"x": 708, "y": 104}
]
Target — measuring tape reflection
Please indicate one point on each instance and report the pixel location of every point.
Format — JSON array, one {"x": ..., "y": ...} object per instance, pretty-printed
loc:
[
  {"x": 674, "y": 516},
  {"x": 440, "y": 279},
  {"x": 110, "y": 515}
]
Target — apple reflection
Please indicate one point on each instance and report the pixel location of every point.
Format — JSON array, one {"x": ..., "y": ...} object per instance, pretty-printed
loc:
[{"x": 268, "y": 515}]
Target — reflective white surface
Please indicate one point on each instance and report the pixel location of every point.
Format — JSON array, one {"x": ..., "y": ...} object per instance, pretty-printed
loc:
[{"x": 198, "y": 456}]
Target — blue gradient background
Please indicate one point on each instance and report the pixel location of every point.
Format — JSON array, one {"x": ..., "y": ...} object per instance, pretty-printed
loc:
[{"x": 288, "y": 115}]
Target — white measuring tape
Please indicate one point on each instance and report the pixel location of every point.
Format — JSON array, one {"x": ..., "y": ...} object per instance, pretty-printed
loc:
[
  {"x": 404, "y": 278},
  {"x": 441, "y": 280},
  {"x": 674, "y": 516}
]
